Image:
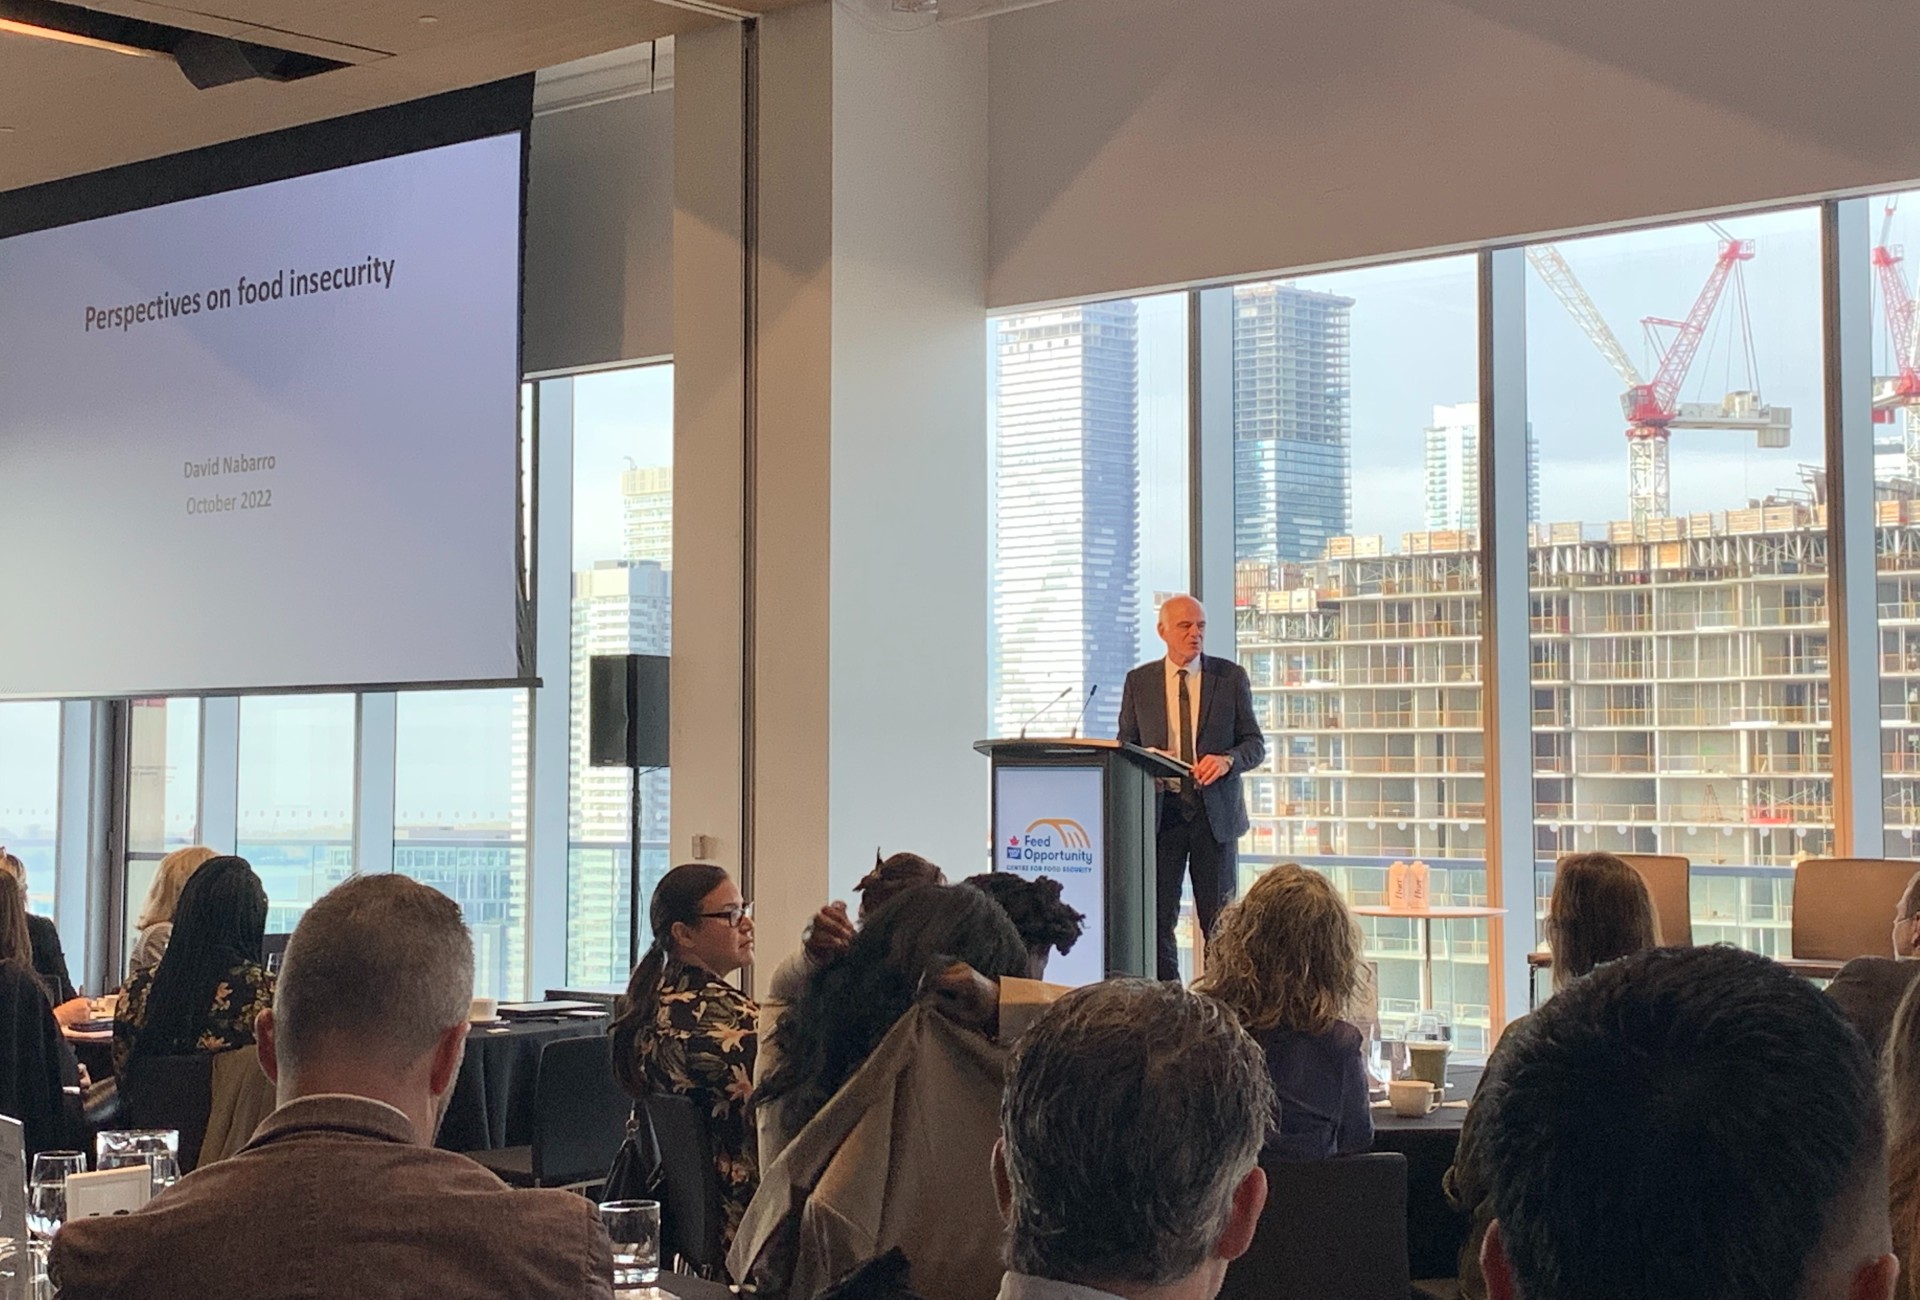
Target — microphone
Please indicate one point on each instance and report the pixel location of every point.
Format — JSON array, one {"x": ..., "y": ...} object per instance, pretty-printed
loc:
[
  {"x": 1087, "y": 704},
  {"x": 1043, "y": 708}
]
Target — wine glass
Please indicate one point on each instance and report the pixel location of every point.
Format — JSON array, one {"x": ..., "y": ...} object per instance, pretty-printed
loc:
[{"x": 47, "y": 1190}]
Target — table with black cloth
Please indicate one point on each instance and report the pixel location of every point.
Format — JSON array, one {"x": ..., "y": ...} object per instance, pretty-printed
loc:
[
  {"x": 1434, "y": 1231},
  {"x": 492, "y": 1102}
]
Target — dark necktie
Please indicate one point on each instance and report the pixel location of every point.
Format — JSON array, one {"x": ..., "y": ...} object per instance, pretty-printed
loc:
[{"x": 1186, "y": 721}]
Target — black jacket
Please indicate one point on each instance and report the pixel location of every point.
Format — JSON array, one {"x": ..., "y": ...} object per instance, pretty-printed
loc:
[{"x": 1227, "y": 728}]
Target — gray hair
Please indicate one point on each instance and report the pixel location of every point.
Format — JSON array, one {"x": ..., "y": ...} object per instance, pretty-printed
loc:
[
  {"x": 1133, "y": 1110},
  {"x": 378, "y": 968}
]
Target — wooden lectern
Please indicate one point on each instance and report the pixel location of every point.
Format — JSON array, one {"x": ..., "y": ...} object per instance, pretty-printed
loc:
[{"x": 1082, "y": 812}]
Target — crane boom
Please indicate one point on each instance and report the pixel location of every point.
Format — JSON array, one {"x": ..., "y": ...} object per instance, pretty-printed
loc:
[
  {"x": 1559, "y": 277},
  {"x": 1655, "y": 403}
]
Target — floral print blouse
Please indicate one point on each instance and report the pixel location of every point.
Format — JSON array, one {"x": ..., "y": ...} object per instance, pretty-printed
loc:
[
  {"x": 228, "y": 1023},
  {"x": 704, "y": 1038}
]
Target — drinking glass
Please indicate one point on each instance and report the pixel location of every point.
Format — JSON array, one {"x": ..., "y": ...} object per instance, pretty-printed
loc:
[
  {"x": 634, "y": 1227},
  {"x": 47, "y": 1190},
  {"x": 114, "y": 1143}
]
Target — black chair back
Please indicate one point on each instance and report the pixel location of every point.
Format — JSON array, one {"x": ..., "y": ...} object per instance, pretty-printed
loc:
[
  {"x": 170, "y": 1092},
  {"x": 690, "y": 1195},
  {"x": 579, "y": 1112},
  {"x": 1332, "y": 1230}
]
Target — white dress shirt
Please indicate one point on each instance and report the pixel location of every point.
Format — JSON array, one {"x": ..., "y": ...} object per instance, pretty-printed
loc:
[
  {"x": 1173, "y": 705},
  {"x": 1024, "y": 1286}
]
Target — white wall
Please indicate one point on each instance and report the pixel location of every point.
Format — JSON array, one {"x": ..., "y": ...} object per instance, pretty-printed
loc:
[
  {"x": 909, "y": 677},
  {"x": 599, "y": 259},
  {"x": 1143, "y": 143}
]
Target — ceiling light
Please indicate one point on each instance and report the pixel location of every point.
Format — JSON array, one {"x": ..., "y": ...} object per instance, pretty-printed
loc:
[
  {"x": 427, "y": 20},
  {"x": 74, "y": 38}
]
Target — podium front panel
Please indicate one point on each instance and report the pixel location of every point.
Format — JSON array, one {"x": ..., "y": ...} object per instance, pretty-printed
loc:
[{"x": 1050, "y": 820}]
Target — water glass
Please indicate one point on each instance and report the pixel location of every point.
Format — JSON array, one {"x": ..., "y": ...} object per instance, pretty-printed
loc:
[
  {"x": 47, "y": 1190},
  {"x": 114, "y": 1143},
  {"x": 634, "y": 1227}
]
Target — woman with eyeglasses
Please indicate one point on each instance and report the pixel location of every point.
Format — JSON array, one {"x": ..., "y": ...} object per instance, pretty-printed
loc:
[{"x": 683, "y": 1029}]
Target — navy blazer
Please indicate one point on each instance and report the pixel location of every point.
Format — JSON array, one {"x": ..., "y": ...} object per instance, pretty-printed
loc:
[{"x": 1227, "y": 728}]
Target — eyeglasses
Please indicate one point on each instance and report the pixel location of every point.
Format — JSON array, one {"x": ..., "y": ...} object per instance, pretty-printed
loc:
[{"x": 733, "y": 916}]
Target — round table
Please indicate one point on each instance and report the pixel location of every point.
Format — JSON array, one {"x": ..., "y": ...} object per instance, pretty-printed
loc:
[
  {"x": 1434, "y": 1231},
  {"x": 1428, "y": 915},
  {"x": 492, "y": 1102}
]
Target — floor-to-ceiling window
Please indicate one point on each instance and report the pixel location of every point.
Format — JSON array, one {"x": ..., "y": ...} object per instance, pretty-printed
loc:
[
  {"x": 460, "y": 817},
  {"x": 30, "y": 792},
  {"x": 295, "y": 812},
  {"x": 622, "y": 604},
  {"x": 1356, "y": 534},
  {"x": 163, "y": 792},
  {"x": 1679, "y": 566}
]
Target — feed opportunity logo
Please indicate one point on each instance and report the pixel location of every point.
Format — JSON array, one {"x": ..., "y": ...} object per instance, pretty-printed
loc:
[{"x": 1057, "y": 842}]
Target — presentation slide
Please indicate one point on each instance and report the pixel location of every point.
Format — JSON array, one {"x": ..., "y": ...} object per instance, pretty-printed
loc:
[{"x": 267, "y": 438}]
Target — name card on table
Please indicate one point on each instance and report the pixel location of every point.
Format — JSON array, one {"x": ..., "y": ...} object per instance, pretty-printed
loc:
[{"x": 109, "y": 1191}]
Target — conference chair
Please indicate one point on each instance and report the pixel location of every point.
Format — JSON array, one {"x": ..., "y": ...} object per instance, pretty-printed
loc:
[
  {"x": 1669, "y": 879},
  {"x": 1842, "y": 909},
  {"x": 579, "y": 1119},
  {"x": 173, "y": 1092},
  {"x": 1332, "y": 1230},
  {"x": 690, "y": 1215}
]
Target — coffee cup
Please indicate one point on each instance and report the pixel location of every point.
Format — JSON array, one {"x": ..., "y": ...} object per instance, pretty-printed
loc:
[
  {"x": 1412, "y": 1098},
  {"x": 484, "y": 1009},
  {"x": 1428, "y": 1061}
]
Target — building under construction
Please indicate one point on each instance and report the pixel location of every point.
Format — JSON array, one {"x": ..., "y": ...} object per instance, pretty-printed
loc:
[{"x": 1680, "y": 705}]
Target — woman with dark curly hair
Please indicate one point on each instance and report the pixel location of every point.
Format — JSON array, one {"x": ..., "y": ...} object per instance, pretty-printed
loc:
[
  {"x": 1286, "y": 958},
  {"x": 1045, "y": 923},
  {"x": 848, "y": 1007}
]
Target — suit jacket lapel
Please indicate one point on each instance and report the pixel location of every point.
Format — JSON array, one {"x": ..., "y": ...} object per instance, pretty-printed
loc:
[{"x": 1156, "y": 707}]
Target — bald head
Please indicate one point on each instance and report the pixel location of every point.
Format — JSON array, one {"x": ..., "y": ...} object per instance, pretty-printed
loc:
[{"x": 1183, "y": 626}]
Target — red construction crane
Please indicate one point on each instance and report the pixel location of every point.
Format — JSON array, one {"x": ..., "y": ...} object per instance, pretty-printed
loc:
[
  {"x": 1903, "y": 345},
  {"x": 1653, "y": 409}
]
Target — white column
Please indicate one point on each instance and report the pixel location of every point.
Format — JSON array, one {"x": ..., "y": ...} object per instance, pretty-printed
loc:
[
  {"x": 1210, "y": 361},
  {"x": 551, "y": 722},
  {"x": 1505, "y": 660},
  {"x": 375, "y": 737},
  {"x": 1854, "y": 645}
]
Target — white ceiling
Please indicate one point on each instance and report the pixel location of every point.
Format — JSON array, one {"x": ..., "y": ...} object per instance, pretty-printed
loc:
[{"x": 66, "y": 109}]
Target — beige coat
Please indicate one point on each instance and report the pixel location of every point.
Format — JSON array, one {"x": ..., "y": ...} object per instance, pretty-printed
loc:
[{"x": 900, "y": 1156}]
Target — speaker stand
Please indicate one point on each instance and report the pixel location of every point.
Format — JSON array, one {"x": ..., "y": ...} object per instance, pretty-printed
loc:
[{"x": 633, "y": 869}]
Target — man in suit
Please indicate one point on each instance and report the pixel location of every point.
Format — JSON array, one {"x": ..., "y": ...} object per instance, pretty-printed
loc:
[
  {"x": 1868, "y": 989},
  {"x": 341, "y": 1191},
  {"x": 1200, "y": 710}
]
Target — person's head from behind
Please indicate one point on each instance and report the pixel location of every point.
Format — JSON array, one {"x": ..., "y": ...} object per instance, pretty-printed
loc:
[
  {"x": 10, "y": 864},
  {"x": 163, "y": 896},
  {"x": 372, "y": 998},
  {"x": 848, "y": 1007},
  {"x": 1130, "y": 1136},
  {"x": 1690, "y": 1122},
  {"x": 1600, "y": 911},
  {"x": 1906, "y": 920},
  {"x": 15, "y": 943},
  {"x": 218, "y": 926},
  {"x": 893, "y": 876},
  {"x": 1286, "y": 956},
  {"x": 1046, "y": 924}
]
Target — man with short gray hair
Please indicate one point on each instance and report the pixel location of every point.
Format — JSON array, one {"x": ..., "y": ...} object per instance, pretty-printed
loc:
[
  {"x": 340, "y": 1191},
  {"x": 1128, "y": 1161}
]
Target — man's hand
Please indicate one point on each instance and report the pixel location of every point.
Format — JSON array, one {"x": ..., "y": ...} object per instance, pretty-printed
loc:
[
  {"x": 829, "y": 934},
  {"x": 1211, "y": 768}
]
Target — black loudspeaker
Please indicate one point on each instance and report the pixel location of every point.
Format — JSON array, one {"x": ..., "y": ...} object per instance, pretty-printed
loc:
[{"x": 627, "y": 711}]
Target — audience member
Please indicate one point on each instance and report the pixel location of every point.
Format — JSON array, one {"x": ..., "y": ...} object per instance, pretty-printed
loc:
[
  {"x": 1901, "y": 1054},
  {"x": 1131, "y": 1130},
  {"x": 155, "y": 926},
  {"x": 1046, "y": 924},
  {"x": 341, "y": 1191},
  {"x": 1691, "y": 1122},
  {"x": 49, "y": 958},
  {"x": 1286, "y": 959},
  {"x": 683, "y": 1029},
  {"x": 830, "y": 932},
  {"x": 209, "y": 988},
  {"x": 889, "y": 1078},
  {"x": 1867, "y": 989},
  {"x": 35, "y": 1060},
  {"x": 1600, "y": 911}
]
